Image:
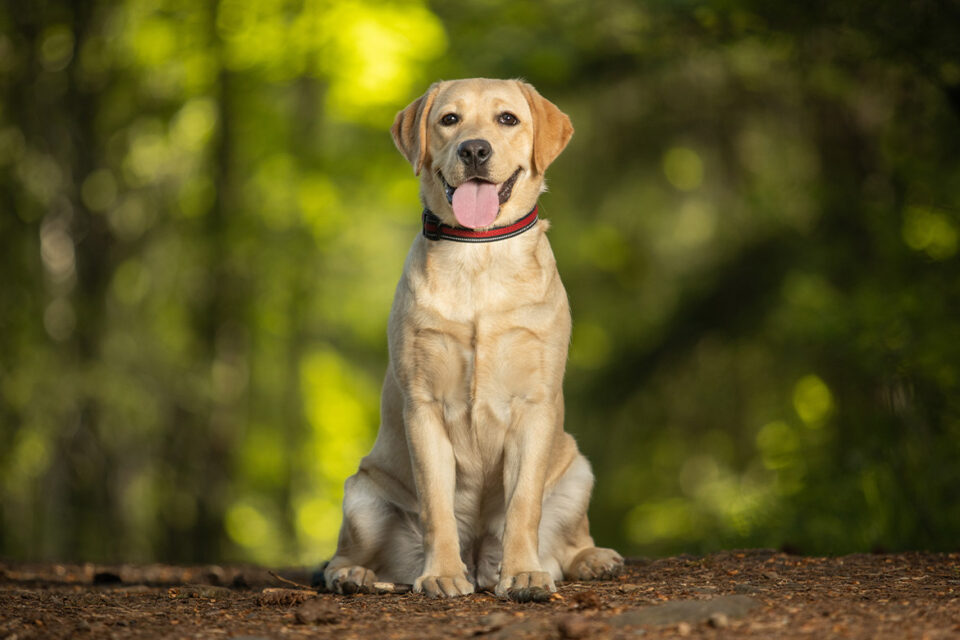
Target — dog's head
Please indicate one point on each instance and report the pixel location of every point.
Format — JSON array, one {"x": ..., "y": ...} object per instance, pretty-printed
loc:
[{"x": 481, "y": 147}]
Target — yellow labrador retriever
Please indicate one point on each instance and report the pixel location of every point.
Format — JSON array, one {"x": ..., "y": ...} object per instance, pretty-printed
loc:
[{"x": 472, "y": 482}]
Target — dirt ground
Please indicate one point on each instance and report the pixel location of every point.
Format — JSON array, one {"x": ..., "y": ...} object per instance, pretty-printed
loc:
[{"x": 757, "y": 593}]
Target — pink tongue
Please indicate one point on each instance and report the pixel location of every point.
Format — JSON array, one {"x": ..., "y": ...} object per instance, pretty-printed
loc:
[{"x": 476, "y": 204}]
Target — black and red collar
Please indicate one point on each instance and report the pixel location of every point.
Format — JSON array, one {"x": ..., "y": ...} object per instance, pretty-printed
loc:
[{"x": 433, "y": 229}]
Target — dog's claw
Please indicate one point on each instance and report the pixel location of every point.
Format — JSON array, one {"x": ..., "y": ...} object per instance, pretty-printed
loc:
[{"x": 530, "y": 594}]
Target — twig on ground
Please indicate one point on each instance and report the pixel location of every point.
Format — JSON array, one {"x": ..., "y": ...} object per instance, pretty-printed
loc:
[{"x": 292, "y": 583}]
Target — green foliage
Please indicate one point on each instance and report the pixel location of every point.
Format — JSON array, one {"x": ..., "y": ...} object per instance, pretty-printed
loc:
[{"x": 756, "y": 221}]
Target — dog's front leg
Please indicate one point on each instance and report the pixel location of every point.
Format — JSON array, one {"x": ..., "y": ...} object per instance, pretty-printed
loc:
[
  {"x": 434, "y": 468},
  {"x": 525, "y": 458}
]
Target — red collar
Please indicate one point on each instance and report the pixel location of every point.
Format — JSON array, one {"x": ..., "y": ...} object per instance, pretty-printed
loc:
[{"x": 433, "y": 229}]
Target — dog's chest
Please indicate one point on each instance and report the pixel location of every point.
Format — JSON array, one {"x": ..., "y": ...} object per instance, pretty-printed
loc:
[
  {"x": 480, "y": 336},
  {"x": 477, "y": 360}
]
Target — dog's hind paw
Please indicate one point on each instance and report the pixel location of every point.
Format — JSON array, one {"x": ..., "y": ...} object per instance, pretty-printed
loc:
[
  {"x": 350, "y": 580},
  {"x": 595, "y": 563}
]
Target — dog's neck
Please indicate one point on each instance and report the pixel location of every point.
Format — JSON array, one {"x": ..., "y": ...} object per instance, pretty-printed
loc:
[{"x": 503, "y": 274}]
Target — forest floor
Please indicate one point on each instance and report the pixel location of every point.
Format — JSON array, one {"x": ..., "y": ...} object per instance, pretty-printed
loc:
[{"x": 759, "y": 594}]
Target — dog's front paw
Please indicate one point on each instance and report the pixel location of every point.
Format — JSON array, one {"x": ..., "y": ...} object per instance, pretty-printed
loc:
[
  {"x": 526, "y": 586},
  {"x": 442, "y": 586},
  {"x": 596, "y": 563},
  {"x": 350, "y": 580}
]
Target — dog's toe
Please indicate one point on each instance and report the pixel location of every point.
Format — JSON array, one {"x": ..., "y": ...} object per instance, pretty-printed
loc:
[{"x": 443, "y": 586}]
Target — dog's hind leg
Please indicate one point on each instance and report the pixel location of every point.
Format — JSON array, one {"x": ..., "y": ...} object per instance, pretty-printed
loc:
[
  {"x": 367, "y": 519},
  {"x": 567, "y": 550}
]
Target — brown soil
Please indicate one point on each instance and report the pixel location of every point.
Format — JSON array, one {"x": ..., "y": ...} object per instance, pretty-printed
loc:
[{"x": 759, "y": 594}]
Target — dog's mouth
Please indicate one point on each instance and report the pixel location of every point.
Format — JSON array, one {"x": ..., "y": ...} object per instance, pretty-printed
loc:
[{"x": 475, "y": 202}]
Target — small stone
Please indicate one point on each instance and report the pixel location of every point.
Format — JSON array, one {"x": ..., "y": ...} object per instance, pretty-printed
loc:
[
  {"x": 684, "y": 628},
  {"x": 718, "y": 620},
  {"x": 317, "y": 611},
  {"x": 630, "y": 588},
  {"x": 574, "y": 627},
  {"x": 586, "y": 600},
  {"x": 215, "y": 575},
  {"x": 771, "y": 575}
]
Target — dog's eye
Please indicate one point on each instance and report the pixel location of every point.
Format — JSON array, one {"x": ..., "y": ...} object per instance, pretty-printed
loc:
[
  {"x": 450, "y": 119},
  {"x": 508, "y": 119}
]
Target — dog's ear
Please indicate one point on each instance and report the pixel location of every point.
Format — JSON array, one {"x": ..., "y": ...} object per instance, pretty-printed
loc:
[
  {"x": 551, "y": 128},
  {"x": 410, "y": 129}
]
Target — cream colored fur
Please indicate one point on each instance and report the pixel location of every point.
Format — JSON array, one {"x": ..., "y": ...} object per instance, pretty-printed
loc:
[{"x": 472, "y": 482}]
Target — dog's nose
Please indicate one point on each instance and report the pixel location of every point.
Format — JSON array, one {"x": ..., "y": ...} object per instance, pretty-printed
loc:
[{"x": 474, "y": 153}]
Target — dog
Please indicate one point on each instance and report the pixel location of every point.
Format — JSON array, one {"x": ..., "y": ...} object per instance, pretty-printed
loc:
[{"x": 472, "y": 483}]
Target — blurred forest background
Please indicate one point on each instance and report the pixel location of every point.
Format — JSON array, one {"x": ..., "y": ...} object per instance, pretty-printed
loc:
[{"x": 203, "y": 217}]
